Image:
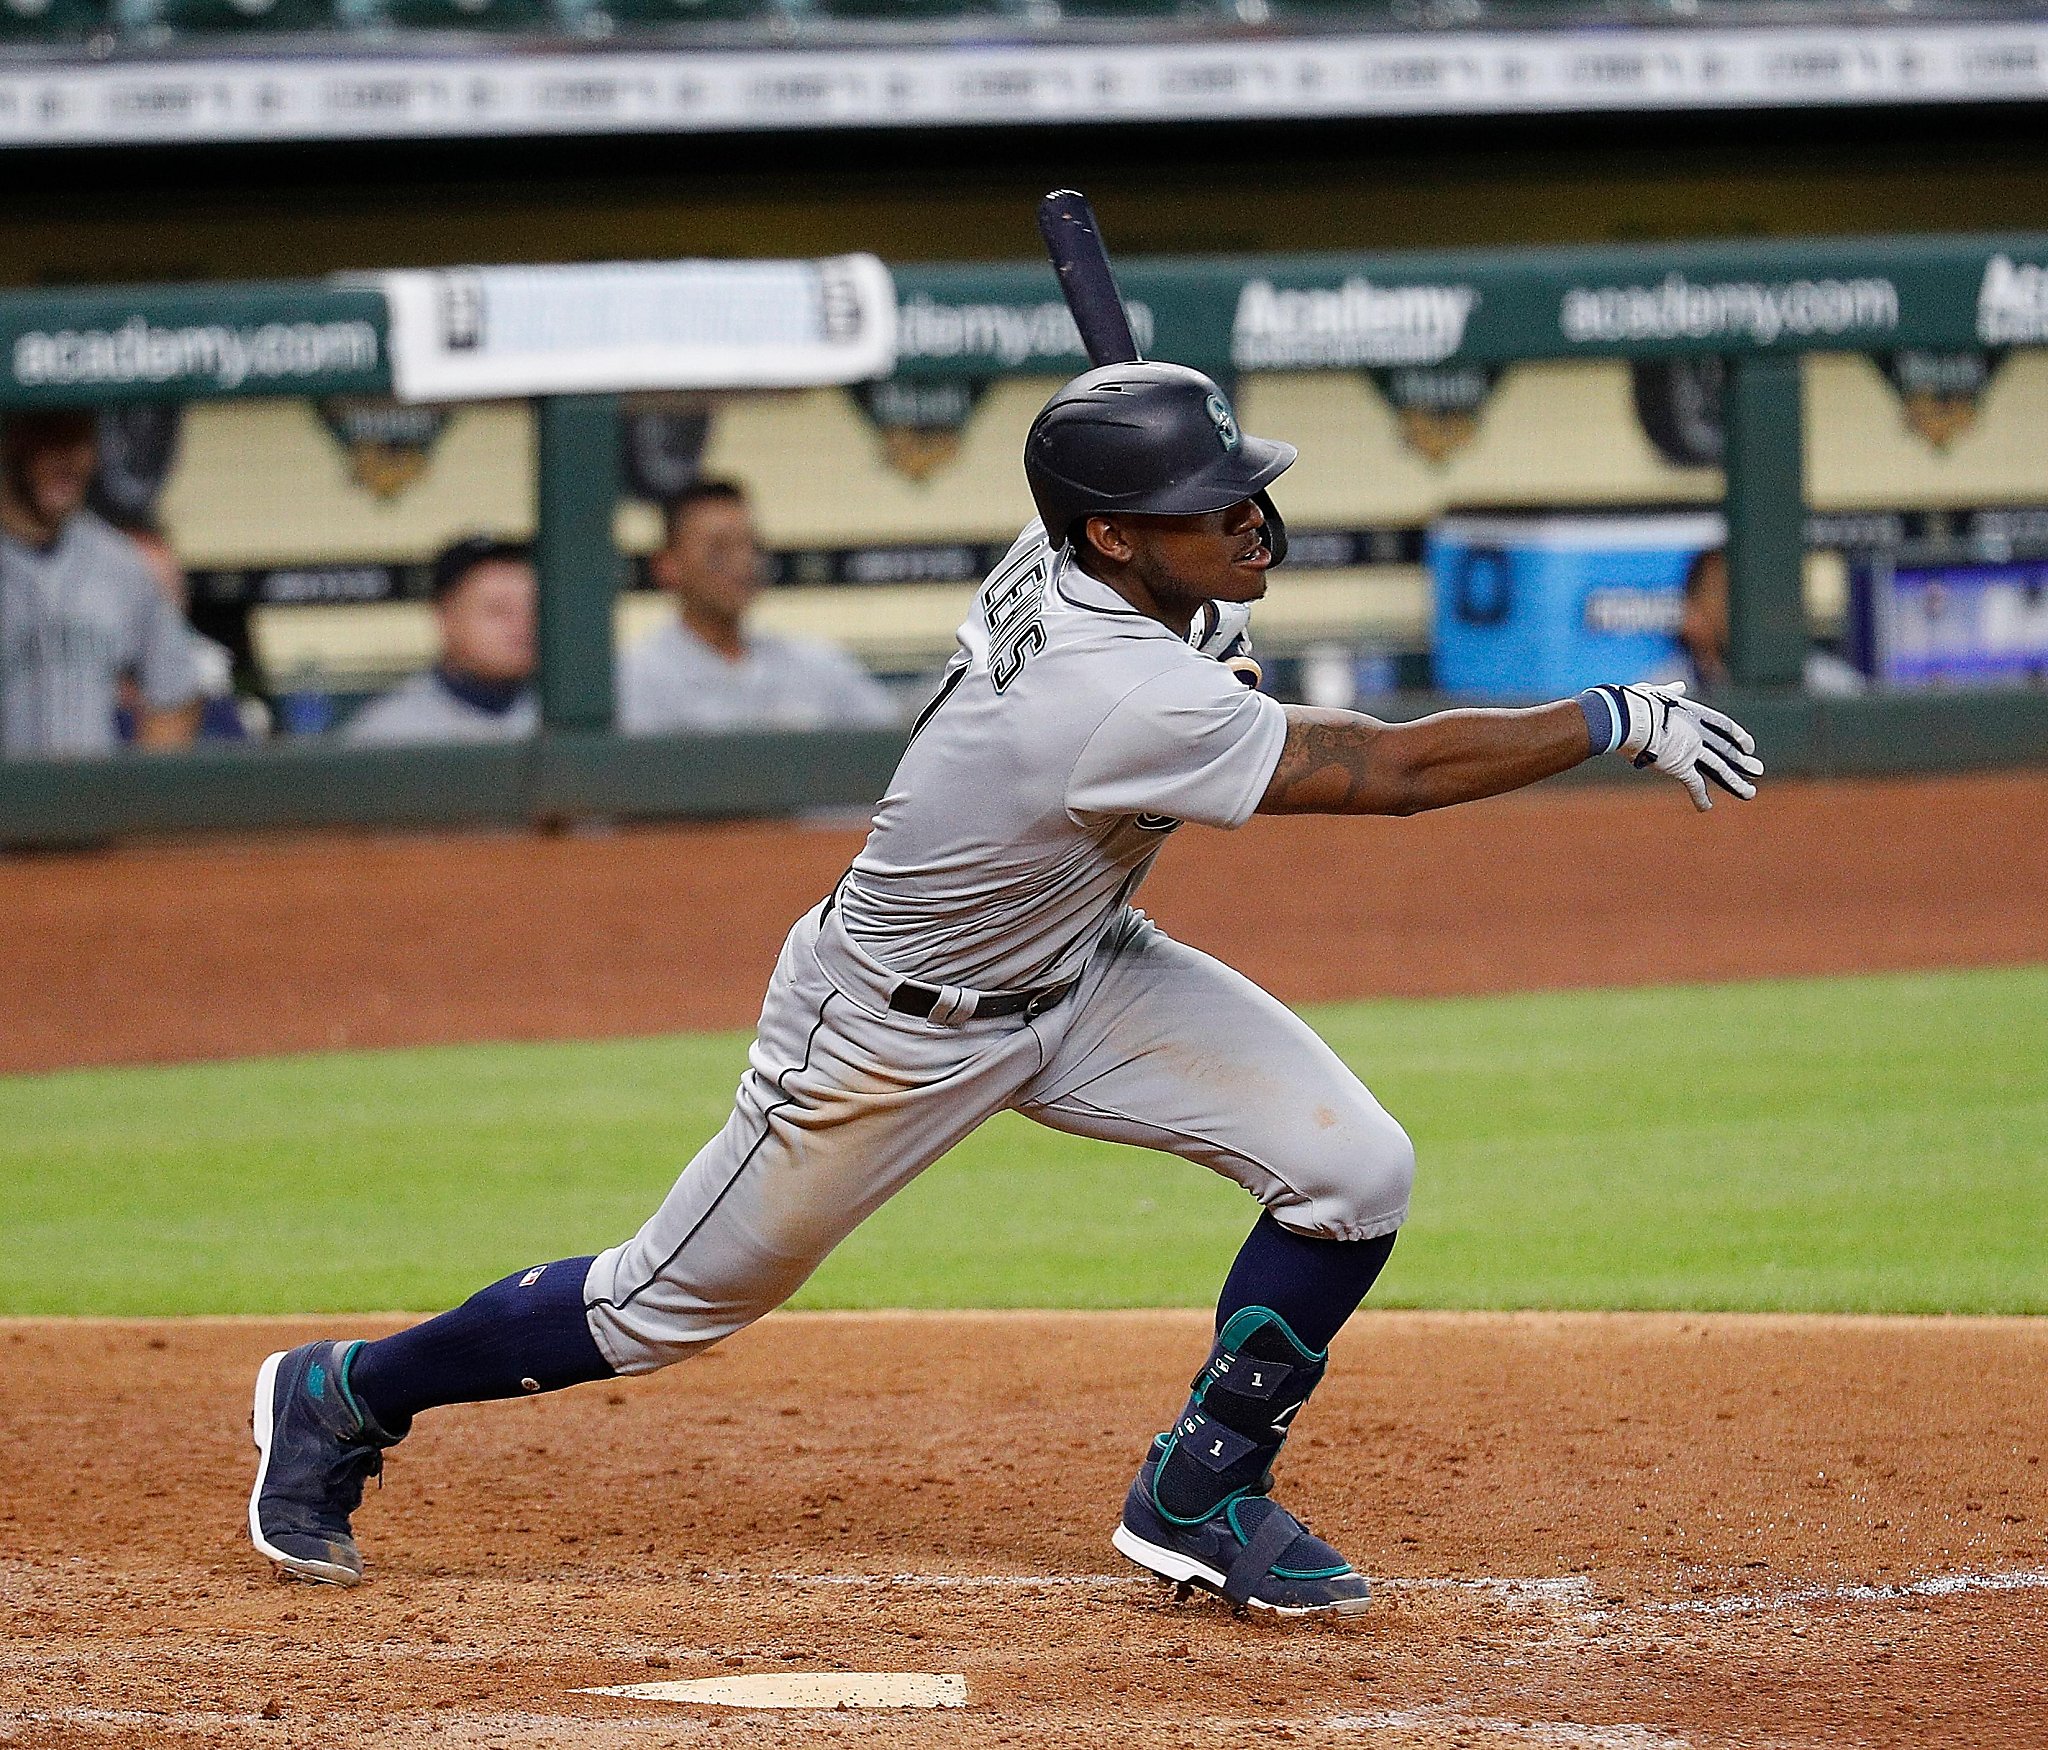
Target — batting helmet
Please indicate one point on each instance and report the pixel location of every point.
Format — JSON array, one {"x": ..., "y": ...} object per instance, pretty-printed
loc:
[{"x": 1147, "y": 437}]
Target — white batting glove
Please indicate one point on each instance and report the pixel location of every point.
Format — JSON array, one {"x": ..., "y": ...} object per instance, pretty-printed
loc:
[
  {"x": 1224, "y": 630},
  {"x": 1660, "y": 727}
]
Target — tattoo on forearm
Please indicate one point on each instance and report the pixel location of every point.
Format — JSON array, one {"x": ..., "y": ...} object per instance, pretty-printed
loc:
[{"x": 1321, "y": 766}]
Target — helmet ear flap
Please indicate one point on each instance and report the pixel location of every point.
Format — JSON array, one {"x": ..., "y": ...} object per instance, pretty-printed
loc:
[{"x": 1275, "y": 531}]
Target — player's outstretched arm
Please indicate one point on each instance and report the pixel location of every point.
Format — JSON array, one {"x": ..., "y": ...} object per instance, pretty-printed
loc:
[{"x": 1343, "y": 762}]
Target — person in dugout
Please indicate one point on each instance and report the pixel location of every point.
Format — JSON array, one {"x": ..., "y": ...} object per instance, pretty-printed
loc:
[
  {"x": 80, "y": 612},
  {"x": 705, "y": 668},
  {"x": 480, "y": 687}
]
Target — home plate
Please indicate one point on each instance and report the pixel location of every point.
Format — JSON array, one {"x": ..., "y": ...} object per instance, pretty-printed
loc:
[{"x": 812, "y": 1689}]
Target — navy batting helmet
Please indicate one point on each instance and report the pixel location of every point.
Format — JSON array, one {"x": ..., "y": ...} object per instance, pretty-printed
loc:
[{"x": 1149, "y": 437}]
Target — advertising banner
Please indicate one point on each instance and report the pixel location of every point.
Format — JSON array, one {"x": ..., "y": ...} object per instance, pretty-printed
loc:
[
  {"x": 1419, "y": 324},
  {"x": 384, "y": 87},
  {"x": 1008, "y": 319},
  {"x": 1394, "y": 312},
  {"x": 153, "y": 344},
  {"x": 493, "y": 332}
]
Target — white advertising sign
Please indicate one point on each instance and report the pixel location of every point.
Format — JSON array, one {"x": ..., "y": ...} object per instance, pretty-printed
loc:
[
  {"x": 396, "y": 93},
  {"x": 464, "y": 334}
]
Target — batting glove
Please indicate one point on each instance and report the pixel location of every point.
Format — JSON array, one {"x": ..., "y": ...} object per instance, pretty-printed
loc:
[
  {"x": 1224, "y": 630},
  {"x": 1661, "y": 728}
]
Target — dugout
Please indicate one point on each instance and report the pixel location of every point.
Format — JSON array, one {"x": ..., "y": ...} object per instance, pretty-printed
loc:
[{"x": 1298, "y": 335}]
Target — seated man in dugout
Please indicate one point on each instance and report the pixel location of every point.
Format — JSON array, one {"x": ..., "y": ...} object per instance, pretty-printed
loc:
[
  {"x": 481, "y": 686},
  {"x": 79, "y": 611},
  {"x": 1703, "y": 638},
  {"x": 703, "y": 668}
]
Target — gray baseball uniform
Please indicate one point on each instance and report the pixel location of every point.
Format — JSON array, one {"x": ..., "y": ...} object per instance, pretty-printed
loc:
[
  {"x": 673, "y": 680},
  {"x": 74, "y": 618},
  {"x": 1070, "y": 737},
  {"x": 423, "y": 709}
]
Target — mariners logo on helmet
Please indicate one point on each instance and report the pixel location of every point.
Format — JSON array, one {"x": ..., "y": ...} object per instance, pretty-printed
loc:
[{"x": 1226, "y": 421}]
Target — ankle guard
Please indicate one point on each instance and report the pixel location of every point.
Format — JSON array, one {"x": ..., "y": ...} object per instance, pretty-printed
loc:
[{"x": 1244, "y": 1399}]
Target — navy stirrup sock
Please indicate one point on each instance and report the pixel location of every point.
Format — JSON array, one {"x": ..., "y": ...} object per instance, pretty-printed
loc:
[
  {"x": 525, "y": 1334},
  {"x": 1314, "y": 1284}
]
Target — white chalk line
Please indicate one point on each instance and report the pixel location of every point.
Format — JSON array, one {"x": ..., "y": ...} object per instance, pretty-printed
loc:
[
  {"x": 1515, "y": 1589},
  {"x": 1561, "y": 1734},
  {"x": 921, "y": 1582},
  {"x": 1560, "y": 1588},
  {"x": 1934, "y": 1586},
  {"x": 1568, "y": 1592}
]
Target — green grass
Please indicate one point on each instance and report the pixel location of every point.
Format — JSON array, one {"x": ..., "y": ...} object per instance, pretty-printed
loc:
[{"x": 1873, "y": 1144}]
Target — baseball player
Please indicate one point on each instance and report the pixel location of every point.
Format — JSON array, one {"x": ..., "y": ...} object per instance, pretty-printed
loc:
[
  {"x": 982, "y": 954},
  {"x": 79, "y": 609}
]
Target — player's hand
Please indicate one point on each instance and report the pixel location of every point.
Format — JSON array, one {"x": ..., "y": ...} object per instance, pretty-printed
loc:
[
  {"x": 1224, "y": 630},
  {"x": 1660, "y": 728}
]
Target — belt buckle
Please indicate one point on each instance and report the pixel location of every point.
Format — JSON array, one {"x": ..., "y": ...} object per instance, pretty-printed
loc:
[{"x": 1043, "y": 1001}]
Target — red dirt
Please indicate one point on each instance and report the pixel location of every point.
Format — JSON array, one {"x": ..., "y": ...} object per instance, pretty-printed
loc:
[
  {"x": 1679, "y": 1484},
  {"x": 291, "y": 945}
]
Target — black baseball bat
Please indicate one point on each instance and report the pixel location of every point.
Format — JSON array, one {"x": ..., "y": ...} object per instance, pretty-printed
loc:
[{"x": 1074, "y": 241}]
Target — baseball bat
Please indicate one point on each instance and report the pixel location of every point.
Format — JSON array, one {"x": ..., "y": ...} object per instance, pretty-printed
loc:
[{"x": 1074, "y": 241}]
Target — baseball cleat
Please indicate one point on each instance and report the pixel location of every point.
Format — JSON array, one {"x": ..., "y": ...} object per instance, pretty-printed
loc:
[
  {"x": 315, "y": 1448},
  {"x": 1250, "y": 1551}
]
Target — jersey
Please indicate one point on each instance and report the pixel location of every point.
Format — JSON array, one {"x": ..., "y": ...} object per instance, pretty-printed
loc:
[
  {"x": 1070, "y": 736},
  {"x": 672, "y": 680},
  {"x": 424, "y": 709},
  {"x": 74, "y": 618}
]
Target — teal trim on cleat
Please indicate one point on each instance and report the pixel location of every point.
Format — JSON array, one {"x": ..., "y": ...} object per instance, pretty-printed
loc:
[
  {"x": 348, "y": 1391},
  {"x": 1230, "y": 1514},
  {"x": 1240, "y": 1553}
]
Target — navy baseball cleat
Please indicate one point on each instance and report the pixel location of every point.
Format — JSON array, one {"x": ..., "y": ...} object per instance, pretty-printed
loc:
[
  {"x": 1250, "y": 1550},
  {"x": 316, "y": 1447}
]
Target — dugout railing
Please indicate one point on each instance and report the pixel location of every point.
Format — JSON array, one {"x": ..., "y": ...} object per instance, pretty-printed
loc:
[{"x": 1757, "y": 306}]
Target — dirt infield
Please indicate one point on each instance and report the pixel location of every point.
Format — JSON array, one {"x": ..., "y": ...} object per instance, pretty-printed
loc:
[
  {"x": 1609, "y": 1532},
  {"x": 1588, "y": 1532},
  {"x": 221, "y": 950}
]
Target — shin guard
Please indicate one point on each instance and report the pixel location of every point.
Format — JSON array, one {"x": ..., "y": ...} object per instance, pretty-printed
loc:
[{"x": 1224, "y": 1442}]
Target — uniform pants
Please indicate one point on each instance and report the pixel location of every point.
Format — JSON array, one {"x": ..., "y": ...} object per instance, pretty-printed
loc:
[{"x": 845, "y": 1102}]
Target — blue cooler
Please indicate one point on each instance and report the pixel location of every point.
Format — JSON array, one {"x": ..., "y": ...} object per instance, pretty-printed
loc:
[{"x": 1542, "y": 603}]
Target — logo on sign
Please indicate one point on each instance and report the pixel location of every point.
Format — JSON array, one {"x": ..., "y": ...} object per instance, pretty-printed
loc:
[
  {"x": 1677, "y": 308},
  {"x": 388, "y": 445},
  {"x": 462, "y": 312},
  {"x": 1437, "y": 406},
  {"x": 1940, "y": 392},
  {"x": 1633, "y": 613},
  {"x": 1357, "y": 323},
  {"x": 1012, "y": 334},
  {"x": 2012, "y": 303}
]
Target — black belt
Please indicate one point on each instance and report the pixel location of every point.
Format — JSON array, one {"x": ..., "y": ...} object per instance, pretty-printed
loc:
[{"x": 913, "y": 998}]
